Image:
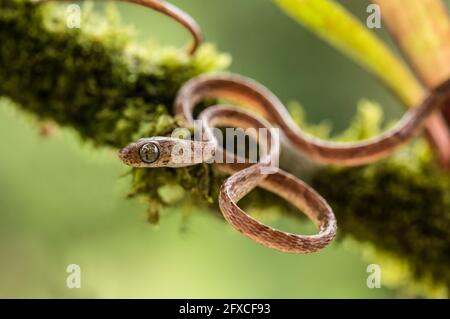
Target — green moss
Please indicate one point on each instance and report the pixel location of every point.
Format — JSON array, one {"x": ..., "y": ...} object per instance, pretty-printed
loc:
[
  {"x": 400, "y": 205},
  {"x": 98, "y": 82}
]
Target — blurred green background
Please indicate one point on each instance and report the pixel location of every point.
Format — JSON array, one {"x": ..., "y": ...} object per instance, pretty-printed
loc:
[{"x": 62, "y": 202}]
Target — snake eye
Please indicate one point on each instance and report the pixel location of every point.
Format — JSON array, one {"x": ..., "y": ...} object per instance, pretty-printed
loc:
[{"x": 149, "y": 152}]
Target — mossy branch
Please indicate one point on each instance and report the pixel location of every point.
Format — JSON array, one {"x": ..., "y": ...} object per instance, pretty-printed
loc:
[{"x": 97, "y": 81}]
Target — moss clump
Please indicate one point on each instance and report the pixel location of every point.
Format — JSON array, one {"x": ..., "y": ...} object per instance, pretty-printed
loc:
[
  {"x": 91, "y": 79},
  {"x": 400, "y": 205},
  {"x": 97, "y": 81}
]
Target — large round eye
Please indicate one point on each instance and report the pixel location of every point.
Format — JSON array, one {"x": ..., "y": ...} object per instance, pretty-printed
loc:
[{"x": 149, "y": 152}]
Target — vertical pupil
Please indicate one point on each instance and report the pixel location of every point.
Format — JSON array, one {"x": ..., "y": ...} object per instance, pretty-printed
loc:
[{"x": 149, "y": 152}]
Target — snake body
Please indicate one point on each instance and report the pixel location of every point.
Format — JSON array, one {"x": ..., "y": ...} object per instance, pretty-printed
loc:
[
  {"x": 255, "y": 96},
  {"x": 245, "y": 176}
]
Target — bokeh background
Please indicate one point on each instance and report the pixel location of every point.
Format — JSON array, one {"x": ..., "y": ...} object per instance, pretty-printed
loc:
[{"x": 62, "y": 202}]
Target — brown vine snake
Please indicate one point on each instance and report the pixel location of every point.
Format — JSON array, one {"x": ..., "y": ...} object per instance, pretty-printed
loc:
[{"x": 157, "y": 151}]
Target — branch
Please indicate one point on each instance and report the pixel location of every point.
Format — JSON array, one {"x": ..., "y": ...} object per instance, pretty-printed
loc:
[{"x": 98, "y": 82}]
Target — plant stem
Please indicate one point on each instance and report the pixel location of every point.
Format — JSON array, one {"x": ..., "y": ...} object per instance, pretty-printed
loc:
[{"x": 422, "y": 29}]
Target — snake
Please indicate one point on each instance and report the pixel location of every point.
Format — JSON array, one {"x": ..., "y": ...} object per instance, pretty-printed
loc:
[
  {"x": 260, "y": 108},
  {"x": 263, "y": 110}
]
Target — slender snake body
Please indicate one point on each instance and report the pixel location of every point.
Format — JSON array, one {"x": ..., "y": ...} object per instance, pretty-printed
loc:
[
  {"x": 158, "y": 151},
  {"x": 246, "y": 176}
]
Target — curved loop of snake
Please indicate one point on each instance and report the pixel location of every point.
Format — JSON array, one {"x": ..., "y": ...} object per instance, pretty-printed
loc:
[
  {"x": 245, "y": 176},
  {"x": 253, "y": 95},
  {"x": 161, "y": 152},
  {"x": 158, "y": 152},
  {"x": 169, "y": 10}
]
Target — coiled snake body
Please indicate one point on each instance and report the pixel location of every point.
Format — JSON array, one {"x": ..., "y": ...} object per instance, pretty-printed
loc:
[{"x": 245, "y": 176}]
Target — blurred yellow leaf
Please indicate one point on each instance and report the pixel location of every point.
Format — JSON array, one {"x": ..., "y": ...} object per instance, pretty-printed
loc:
[{"x": 333, "y": 23}]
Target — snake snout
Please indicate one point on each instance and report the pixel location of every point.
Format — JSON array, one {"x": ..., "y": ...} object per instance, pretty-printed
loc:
[{"x": 129, "y": 155}]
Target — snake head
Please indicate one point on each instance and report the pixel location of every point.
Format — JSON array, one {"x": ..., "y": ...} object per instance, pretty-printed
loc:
[
  {"x": 165, "y": 152},
  {"x": 146, "y": 152}
]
